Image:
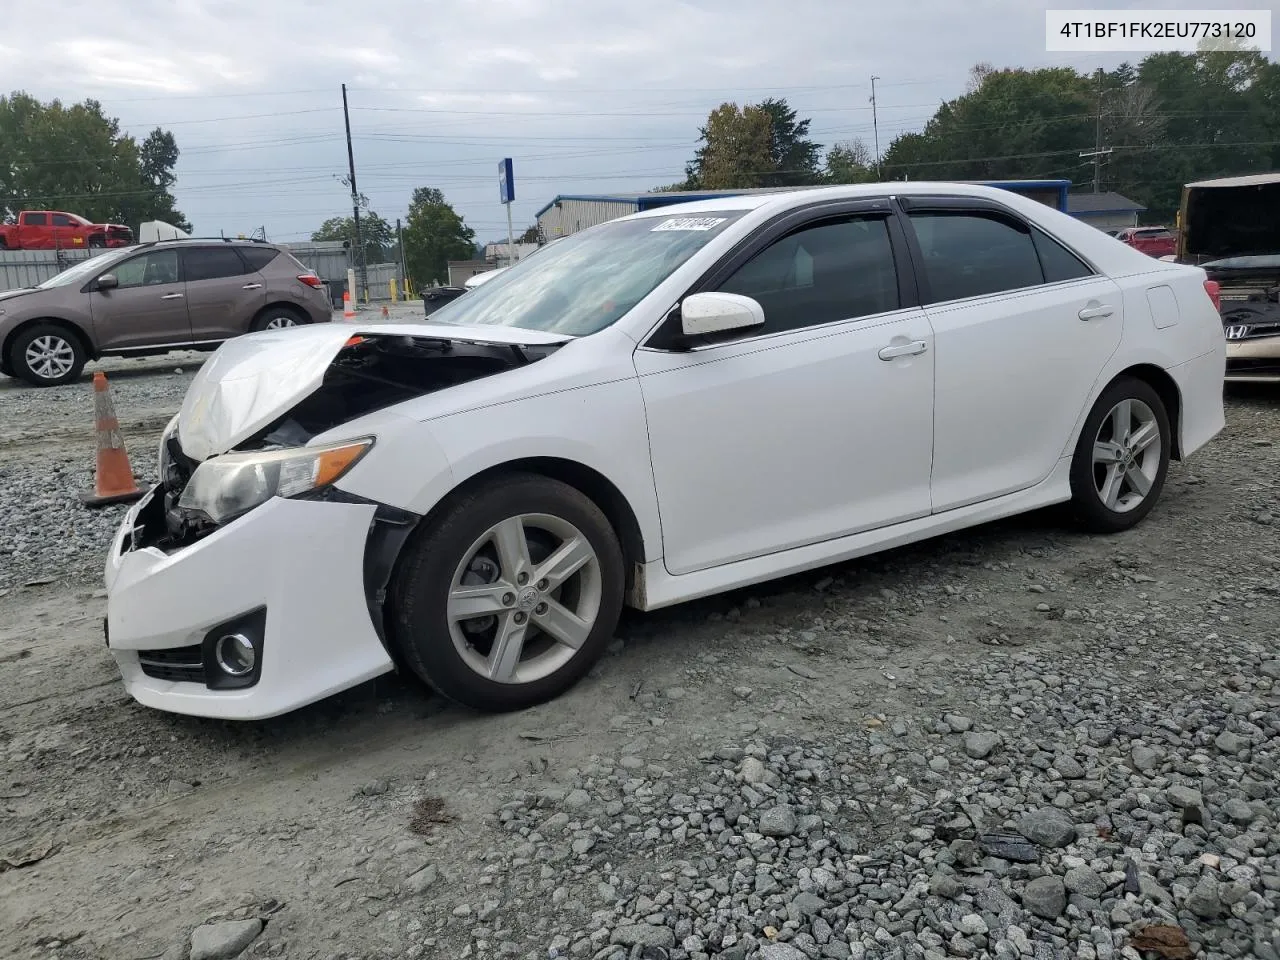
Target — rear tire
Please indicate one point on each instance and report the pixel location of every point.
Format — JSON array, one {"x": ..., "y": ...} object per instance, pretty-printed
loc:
[
  {"x": 278, "y": 318},
  {"x": 47, "y": 355},
  {"x": 510, "y": 596},
  {"x": 1121, "y": 458}
]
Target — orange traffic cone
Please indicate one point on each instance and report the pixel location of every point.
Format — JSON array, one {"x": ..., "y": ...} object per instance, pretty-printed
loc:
[
  {"x": 114, "y": 482},
  {"x": 348, "y": 312}
]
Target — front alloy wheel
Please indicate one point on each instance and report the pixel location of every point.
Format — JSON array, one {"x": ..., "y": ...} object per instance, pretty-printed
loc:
[
  {"x": 1122, "y": 457},
  {"x": 46, "y": 355},
  {"x": 509, "y": 596},
  {"x": 524, "y": 598}
]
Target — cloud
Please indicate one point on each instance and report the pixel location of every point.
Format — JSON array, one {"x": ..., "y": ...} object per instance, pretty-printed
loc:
[{"x": 585, "y": 95}]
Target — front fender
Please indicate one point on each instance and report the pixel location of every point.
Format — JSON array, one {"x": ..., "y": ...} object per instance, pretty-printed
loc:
[{"x": 601, "y": 427}]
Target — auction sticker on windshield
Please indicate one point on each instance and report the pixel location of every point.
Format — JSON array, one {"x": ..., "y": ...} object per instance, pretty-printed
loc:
[{"x": 690, "y": 223}]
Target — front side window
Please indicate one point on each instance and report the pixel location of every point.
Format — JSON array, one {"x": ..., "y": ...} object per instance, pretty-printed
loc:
[
  {"x": 972, "y": 254},
  {"x": 93, "y": 267},
  {"x": 62, "y": 220},
  {"x": 212, "y": 263},
  {"x": 583, "y": 283},
  {"x": 836, "y": 270},
  {"x": 150, "y": 269}
]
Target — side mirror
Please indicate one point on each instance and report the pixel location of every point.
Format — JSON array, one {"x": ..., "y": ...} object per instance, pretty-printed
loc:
[
  {"x": 703, "y": 313},
  {"x": 108, "y": 281}
]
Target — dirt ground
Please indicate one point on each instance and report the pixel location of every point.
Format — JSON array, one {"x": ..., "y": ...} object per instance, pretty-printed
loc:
[{"x": 122, "y": 829}]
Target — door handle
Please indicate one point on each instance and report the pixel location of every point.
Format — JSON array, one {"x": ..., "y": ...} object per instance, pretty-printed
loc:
[
  {"x": 252, "y": 286},
  {"x": 1094, "y": 313},
  {"x": 172, "y": 296},
  {"x": 903, "y": 350}
]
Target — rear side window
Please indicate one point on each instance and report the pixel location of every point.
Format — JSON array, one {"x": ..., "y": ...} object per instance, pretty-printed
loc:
[
  {"x": 211, "y": 263},
  {"x": 258, "y": 257},
  {"x": 36, "y": 220},
  {"x": 1058, "y": 262},
  {"x": 972, "y": 254},
  {"x": 831, "y": 271}
]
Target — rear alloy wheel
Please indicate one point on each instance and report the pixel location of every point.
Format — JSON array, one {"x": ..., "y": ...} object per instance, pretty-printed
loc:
[
  {"x": 278, "y": 318},
  {"x": 1122, "y": 458},
  {"x": 46, "y": 355},
  {"x": 509, "y": 598}
]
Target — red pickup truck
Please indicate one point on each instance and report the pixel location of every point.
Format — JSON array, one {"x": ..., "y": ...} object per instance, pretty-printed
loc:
[
  {"x": 58, "y": 230},
  {"x": 1154, "y": 241}
]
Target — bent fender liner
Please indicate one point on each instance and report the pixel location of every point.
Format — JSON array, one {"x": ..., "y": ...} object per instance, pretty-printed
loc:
[{"x": 388, "y": 531}]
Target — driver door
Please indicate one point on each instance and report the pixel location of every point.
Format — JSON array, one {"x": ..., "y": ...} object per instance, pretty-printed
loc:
[
  {"x": 149, "y": 307},
  {"x": 818, "y": 425}
]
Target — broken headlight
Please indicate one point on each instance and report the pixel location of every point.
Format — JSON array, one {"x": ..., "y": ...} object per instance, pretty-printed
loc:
[{"x": 225, "y": 487}]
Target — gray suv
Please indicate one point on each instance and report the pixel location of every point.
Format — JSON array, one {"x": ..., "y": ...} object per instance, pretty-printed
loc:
[{"x": 153, "y": 298}]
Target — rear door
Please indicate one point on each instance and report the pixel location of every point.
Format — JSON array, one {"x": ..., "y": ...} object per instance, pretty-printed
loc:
[
  {"x": 34, "y": 231},
  {"x": 1023, "y": 329},
  {"x": 223, "y": 293},
  {"x": 148, "y": 308}
]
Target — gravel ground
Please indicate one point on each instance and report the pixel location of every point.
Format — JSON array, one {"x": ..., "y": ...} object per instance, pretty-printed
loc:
[{"x": 1012, "y": 742}]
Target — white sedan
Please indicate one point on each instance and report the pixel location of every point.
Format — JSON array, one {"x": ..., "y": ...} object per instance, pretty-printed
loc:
[{"x": 659, "y": 408}]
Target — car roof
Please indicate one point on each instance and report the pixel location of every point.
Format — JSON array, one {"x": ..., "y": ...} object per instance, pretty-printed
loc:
[{"x": 786, "y": 199}]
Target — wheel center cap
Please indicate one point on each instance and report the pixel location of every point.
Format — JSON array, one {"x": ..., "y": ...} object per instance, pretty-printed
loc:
[{"x": 528, "y": 598}]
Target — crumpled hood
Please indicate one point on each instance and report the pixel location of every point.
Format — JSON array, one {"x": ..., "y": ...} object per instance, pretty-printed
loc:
[{"x": 253, "y": 380}]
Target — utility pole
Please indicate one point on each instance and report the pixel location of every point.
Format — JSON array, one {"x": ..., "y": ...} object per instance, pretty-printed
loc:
[
  {"x": 404, "y": 263},
  {"x": 875, "y": 124},
  {"x": 1097, "y": 153},
  {"x": 355, "y": 203}
]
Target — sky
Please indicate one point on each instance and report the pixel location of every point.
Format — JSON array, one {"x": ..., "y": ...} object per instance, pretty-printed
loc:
[{"x": 585, "y": 96}]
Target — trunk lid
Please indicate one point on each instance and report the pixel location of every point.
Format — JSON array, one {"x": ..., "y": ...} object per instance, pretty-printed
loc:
[{"x": 253, "y": 380}]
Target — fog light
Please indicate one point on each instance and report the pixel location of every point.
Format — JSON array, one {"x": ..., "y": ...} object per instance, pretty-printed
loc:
[{"x": 235, "y": 655}]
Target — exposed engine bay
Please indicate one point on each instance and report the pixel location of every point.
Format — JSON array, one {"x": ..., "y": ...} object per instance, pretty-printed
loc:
[
  {"x": 369, "y": 373},
  {"x": 374, "y": 372}
]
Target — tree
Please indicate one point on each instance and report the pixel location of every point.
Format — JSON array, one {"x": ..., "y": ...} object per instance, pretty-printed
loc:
[
  {"x": 1170, "y": 119},
  {"x": 795, "y": 157},
  {"x": 737, "y": 150},
  {"x": 849, "y": 162},
  {"x": 760, "y": 145},
  {"x": 434, "y": 234},
  {"x": 378, "y": 235},
  {"x": 74, "y": 157}
]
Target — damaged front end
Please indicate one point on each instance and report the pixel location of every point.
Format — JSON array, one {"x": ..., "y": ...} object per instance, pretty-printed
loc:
[{"x": 241, "y": 439}]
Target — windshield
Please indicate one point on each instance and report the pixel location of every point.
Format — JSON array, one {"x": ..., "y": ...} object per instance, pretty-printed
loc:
[
  {"x": 82, "y": 270},
  {"x": 584, "y": 282}
]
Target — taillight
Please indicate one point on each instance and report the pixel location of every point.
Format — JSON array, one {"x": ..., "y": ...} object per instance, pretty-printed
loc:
[
  {"x": 1214, "y": 290},
  {"x": 311, "y": 280}
]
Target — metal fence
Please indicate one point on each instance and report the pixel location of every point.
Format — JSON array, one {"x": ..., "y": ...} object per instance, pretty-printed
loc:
[{"x": 26, "y": 268}]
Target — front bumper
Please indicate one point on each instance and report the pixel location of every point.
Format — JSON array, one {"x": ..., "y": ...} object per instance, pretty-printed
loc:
[
  {"x": 302, "y": 561},
  {"x": 1255, "y": 360}
]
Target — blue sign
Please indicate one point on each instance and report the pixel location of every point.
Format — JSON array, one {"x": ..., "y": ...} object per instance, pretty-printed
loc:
[{"x": 506, "y": 181}]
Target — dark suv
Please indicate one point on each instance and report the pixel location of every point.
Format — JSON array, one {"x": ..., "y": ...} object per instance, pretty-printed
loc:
[{"x": 153, "y": 298}]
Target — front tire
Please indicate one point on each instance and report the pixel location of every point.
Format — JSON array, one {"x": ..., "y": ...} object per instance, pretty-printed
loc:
[
  {"x": 510, "y": 596},
  {"x": 47, "y": 355},
  {"x": 97, "y": 243},
  {"x": 1122, "y": 457}
]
